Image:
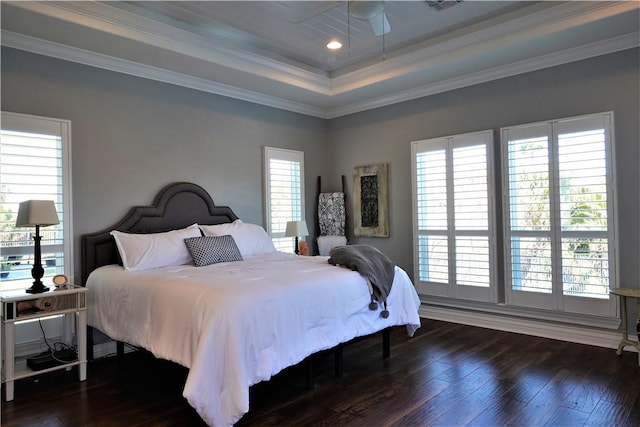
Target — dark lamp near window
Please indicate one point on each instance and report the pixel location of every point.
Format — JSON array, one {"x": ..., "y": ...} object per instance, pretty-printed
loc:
[
  {"x": 296, "y": 229},
  {"x": 37, "y": 213}
]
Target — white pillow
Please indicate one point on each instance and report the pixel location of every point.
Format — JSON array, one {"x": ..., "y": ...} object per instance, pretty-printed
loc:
[
  {"x": 251, "y": 239},
  {"x": 154, "y": 250}
]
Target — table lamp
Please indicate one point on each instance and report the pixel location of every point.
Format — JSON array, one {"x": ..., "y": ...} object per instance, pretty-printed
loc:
[
  {"x": 296, "y": 229},
  {"x": 37, "y": 213}
]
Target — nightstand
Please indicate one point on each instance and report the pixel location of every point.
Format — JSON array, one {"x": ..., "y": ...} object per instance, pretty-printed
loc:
[{"x": 19, "y": 306}]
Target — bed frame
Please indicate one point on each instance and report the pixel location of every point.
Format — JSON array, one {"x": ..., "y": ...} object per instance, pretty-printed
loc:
[{"x": 177, "y": 205}]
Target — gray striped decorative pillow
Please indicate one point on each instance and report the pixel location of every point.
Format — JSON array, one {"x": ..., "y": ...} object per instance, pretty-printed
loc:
[{"x": 209, "y": 250}]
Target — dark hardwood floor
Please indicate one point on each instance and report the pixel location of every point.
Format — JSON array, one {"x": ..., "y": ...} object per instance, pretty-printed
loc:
[{"x": 446, "y": 375}]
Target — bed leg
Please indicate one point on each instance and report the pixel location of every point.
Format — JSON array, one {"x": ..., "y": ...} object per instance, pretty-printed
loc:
[
  {"x": 386, "y": 343},
  {"x": 308, "y": 366},
  {"x": 89, "y": 343},
  {"x": 119, "y": 349},
  {"x": 338, "y": 361}
]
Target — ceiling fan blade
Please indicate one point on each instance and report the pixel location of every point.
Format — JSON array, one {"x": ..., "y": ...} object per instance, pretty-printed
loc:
[
  {"x": 307, "y": 10},
  {"x": 380, "y": 24}
]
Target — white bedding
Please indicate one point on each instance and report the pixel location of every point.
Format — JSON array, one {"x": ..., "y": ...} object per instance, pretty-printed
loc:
[{"x": 236, "y": 324}]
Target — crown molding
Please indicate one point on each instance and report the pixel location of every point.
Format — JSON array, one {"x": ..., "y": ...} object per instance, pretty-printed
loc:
[
  {"x": 67, "y": 53},
  {"x": 315, "y": 94},
  {"x": 111, "y": 20},
  {"x": 528, "y": 27},
  {"x": 105, "y": 18},
  {"x": 591, "y": 50},
  {"x": 84, "y": 57}
]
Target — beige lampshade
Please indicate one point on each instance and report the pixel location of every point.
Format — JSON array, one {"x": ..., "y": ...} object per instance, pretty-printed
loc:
[
  {"x": 296, "y": 229},
  {"x": 37, "y": 212}
]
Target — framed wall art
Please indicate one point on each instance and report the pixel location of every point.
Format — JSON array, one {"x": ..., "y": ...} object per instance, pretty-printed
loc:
[{"x": 371, "y": 201}]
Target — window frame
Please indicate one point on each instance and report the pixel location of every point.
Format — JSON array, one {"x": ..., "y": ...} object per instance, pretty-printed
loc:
[
  {"x": 281, "y": 242},
  {"x": 26, "y": 123},
  {"x": 556, "y": 300},
  {"x": 452, "y": 289}
]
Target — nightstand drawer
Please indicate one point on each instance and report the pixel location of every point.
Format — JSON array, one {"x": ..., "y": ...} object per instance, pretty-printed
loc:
[
  {"x": 54, "y": 303},
  {"x": 38, "y": 305}
]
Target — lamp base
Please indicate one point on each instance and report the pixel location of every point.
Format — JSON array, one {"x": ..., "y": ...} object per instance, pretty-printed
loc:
[
  {"x": 37, "y": 272},
  {"x": 37, "y": 288}
]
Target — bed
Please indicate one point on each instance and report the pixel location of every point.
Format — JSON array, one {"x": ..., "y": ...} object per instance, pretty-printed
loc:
[{"x": 232, "y": 323}]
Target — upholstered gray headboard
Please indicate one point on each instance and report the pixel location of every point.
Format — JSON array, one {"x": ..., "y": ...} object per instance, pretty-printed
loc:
[{"x": 177, "y": 205}]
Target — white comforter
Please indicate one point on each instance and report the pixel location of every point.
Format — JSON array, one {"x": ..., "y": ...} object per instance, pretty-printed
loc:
[{"x": 236, "y": 324}]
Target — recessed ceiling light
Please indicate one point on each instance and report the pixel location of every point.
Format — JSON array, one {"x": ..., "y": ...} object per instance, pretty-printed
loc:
[{"x": 334, "y": 44}]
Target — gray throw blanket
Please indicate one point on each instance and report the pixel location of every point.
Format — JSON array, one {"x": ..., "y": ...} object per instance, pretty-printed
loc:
[{"x": 375, "y": 266}]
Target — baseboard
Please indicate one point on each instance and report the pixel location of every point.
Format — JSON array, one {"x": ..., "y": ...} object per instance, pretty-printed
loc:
[{"x": 538, "y": 328}]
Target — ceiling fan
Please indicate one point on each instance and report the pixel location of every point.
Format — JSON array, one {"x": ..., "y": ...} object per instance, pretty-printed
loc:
[{"x": 372, "y": 11}]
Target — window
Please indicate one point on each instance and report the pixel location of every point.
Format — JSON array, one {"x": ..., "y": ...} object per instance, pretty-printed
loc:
[
  {"x": 284, "y": 188},
  {"x": 559, "y": 214},
  {"x": 35, "y": 163},
  {"x": 558, "y": 206},
  {"x": 454, "y": 239}
]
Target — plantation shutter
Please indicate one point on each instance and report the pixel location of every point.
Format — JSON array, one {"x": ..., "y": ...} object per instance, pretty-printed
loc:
[
  {"x": 284, "y": 172},
  {"x": 34, "y": 157},
  {"x": 454, "y": 232},
  {"x": 558, "y": 201}
]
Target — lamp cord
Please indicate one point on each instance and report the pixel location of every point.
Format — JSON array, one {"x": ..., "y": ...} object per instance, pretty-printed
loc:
[
  {"x": 44, "y": 336},
  {"x": 57, "y": 346}
]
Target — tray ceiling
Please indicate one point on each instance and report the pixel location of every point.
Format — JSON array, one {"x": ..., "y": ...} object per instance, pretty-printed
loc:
[{"x": 273, "y": 52}]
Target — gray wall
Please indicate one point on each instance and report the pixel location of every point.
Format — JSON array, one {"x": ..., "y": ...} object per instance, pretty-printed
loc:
[
  {"x": 605, "y": 83},
  {"x": 132, "y": 136}
]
